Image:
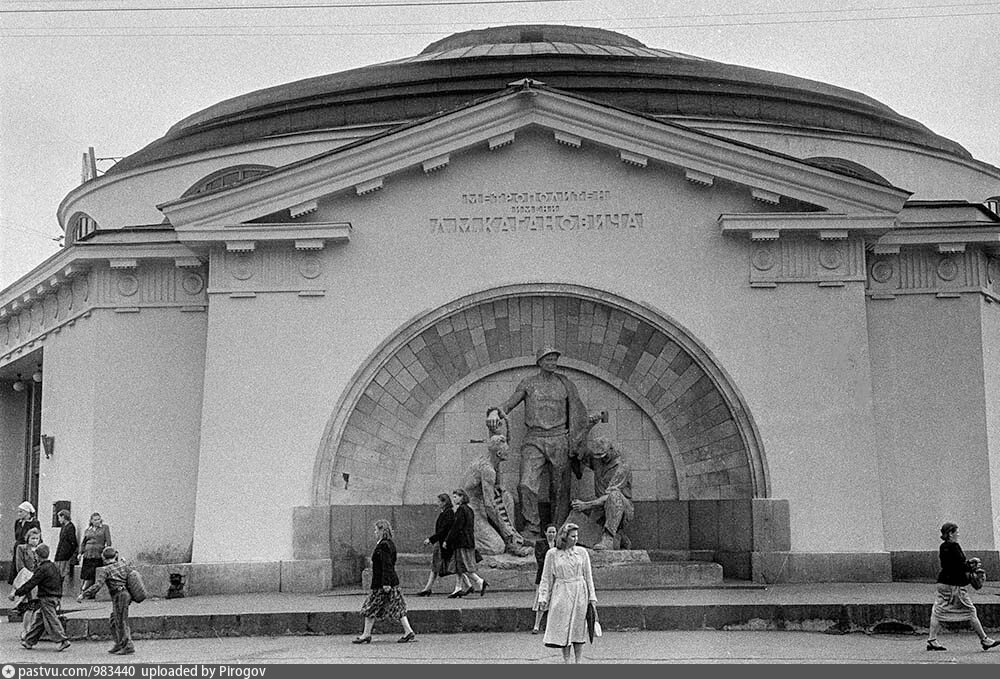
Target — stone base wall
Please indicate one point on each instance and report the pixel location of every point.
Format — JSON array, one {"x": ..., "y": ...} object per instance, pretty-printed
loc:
[
  {"x": 731, "y": 529},
  {"x": 925, "y": 565},
  {"x": 785, "y": 567}
]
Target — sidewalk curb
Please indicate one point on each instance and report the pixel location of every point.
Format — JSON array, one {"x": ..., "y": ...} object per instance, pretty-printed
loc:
[{"x": 830, "y": 618}]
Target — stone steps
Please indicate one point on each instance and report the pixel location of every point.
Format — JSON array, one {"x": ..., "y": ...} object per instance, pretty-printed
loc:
[{"x": 613, "y": 570}]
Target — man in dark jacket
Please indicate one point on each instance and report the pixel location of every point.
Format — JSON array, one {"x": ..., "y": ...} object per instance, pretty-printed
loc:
[
  {"x": 68, "y": 547},
  {"x": 49, "y": 583}
]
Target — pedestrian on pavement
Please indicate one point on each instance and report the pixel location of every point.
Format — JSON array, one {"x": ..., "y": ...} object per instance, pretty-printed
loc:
[
  {"x": 68, "y": 547},
  {"x": 26, "y": 558},
  {"x": 542, "y": 548},
  {"x": 952, "y": 603},
  {"x": 385, "y": 600},
  {"x": 461, "y": 542},
  {"x": 96, "y": 538},
  {"x": 115, "y": 576},
  {"x": 566, "y": 588},
  {"x": 49, "y": 583},
  {"x": 24, "y": 522},
  {"x": 441, "y": 561}
]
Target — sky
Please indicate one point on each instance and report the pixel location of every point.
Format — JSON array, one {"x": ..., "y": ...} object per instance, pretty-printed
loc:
[{"x": 116, "y": 74}]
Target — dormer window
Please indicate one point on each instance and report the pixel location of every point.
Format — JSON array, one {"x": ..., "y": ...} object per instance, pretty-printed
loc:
[
  {"x": 230, "y": 176},
  {"x": 81, "y": 227},
  {"x": 993, "y": 204}
]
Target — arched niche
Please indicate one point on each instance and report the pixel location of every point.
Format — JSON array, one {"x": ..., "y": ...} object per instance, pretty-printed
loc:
[{"x": 654, "y": 363}]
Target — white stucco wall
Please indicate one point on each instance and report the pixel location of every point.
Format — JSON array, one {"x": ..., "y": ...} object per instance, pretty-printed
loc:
[
  {"x": 928, "y": 373},
  {"x": 990, "y": 312},
  {"x": 125, "y": 411},
  {"x": 291, "y": 357}
]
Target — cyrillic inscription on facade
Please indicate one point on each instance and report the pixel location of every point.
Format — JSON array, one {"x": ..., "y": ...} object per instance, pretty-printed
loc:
[{"x": 527, "y": 211}]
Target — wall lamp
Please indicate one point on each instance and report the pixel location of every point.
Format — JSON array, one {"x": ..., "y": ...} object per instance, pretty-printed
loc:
[
  {"x": 37, "y": 375},
  {"x": 48, "y": 445},
  {"x": 19, "y": 384}
]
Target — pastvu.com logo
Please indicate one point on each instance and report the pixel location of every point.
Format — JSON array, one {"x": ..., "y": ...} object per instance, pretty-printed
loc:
[{"x": 7, "y": 671}]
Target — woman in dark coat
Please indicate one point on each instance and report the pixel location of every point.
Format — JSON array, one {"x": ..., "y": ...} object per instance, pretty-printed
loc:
[
  {"x": 25, "y": 521},
  {"x": 385, "y": 600},
  {"x": 952, "y": 603},
  {"x": 441, "y": 562},
  {"x": 542, "y": 548},
  {"x": 461, "y": 542}
]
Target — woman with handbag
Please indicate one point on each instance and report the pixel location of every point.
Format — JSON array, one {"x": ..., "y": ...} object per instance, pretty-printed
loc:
[
  {"x": 385, "y": 599},
  {"x": 952, "y": 603},
  {"x": 566, "y": 590},
  {"x": 441, "y": 561}
]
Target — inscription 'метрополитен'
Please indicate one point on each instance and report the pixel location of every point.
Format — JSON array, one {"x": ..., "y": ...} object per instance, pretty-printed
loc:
[{"x": 536, "y": 211}]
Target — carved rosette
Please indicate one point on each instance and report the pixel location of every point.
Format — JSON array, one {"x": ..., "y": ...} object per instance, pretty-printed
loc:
[
  {"x": 806, "y": 259},
  {"x": 269, "y": 267},
  {"x": 924, "y": 270}
]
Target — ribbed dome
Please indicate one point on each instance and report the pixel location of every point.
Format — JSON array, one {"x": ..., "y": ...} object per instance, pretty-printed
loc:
[{"x": 595, "y": 63}]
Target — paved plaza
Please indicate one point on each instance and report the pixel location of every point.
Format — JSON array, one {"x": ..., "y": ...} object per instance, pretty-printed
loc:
[{"x": 780, "y": 624}]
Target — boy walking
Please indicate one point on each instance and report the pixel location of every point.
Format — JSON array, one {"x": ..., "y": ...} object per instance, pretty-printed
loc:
[
  {"x": 115, "y": 575},
  {"x": 49, "y": 583}
]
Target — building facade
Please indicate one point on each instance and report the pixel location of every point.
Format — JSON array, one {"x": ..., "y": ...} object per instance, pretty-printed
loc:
[{"x": 288, "y": 316}]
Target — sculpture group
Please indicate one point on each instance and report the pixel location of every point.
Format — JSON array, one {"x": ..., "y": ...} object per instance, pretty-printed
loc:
[{"x": 556, "y": 439}]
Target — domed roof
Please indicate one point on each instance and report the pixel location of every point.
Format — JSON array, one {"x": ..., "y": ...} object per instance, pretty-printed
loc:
[{"x": 598, "y": 64}]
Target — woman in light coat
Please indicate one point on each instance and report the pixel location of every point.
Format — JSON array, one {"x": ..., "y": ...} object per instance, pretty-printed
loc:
[{"x": 566, "y": 588}]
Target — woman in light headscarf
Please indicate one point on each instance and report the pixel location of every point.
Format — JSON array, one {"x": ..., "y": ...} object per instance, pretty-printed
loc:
[{"x": 25, "y": 521}]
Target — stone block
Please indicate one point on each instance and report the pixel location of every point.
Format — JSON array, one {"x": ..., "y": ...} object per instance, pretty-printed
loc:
[
  {"x": 788, "y": 567},
  {"x": 273, "y": 624},
  {"x": 735, "y": 525},
  {"x": 674, "y": 524},
  {"x": 489, "y": 619},
  {"x": 332, "y": 622},
  {"x": 644, "y": 531},
  {"x": 185, "y": 626},
  {"x": 436, "y": 621},
  {"x": 620, "y": 618},
  {"x": 662, "y": 618},
  {"x": 313, "y": 575},
  {"x": 704, "y": 524},
  {"x": 77, "y": 628},
  {"x": 145, "y": 626},
  {"x": 914, "y": 565},
  {"x": 346, "y": 570},
  {"x": 233, "y": 577},
  {"x": 772, "y": 530},
  {"x": 224, "y": 625},
  {"x": 735, "y": 565}
]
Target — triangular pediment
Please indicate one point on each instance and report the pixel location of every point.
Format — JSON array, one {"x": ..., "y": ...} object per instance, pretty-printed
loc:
[{"x": 370, "y": 164}]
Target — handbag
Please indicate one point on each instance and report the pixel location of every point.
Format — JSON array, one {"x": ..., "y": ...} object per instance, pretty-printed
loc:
[
  {"x": 977, "y": 578},
  {"x": 135, "y": 586},
  {"x": 593, "y": 624}
]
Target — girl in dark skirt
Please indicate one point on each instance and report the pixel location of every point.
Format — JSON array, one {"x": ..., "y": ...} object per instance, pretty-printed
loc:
[
  {"x": 441, "y": 563},
  {"x": 461, "y": 542},
  {"x": 385, "y": 600}
]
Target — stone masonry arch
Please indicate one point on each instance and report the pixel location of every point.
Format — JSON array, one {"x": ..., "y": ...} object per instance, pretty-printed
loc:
[{"x": 366, "y": 449}]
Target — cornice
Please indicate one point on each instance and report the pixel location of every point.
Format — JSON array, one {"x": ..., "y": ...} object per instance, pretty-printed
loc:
[
  {"x": 634, "y": 139},
  {"x": 61, "y": 268}
]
